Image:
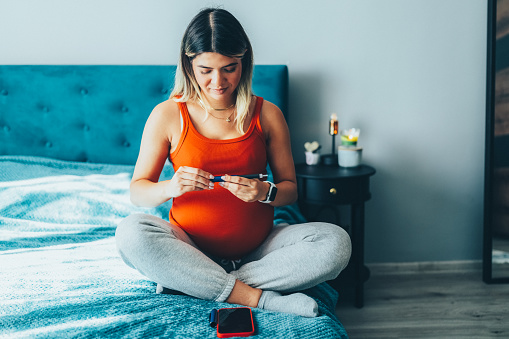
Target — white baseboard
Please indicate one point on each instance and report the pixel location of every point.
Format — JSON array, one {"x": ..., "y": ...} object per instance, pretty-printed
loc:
[{"x": 421, "y": 267}]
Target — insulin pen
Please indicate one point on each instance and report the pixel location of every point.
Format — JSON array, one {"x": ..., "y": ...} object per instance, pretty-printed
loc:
[{"x": 248, "y": 176}]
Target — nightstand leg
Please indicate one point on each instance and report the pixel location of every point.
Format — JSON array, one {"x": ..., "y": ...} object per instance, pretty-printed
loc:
[{"x": 357, "y": 215}]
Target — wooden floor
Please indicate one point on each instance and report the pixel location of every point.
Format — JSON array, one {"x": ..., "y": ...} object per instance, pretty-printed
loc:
[{"x": 428, "y": 300}]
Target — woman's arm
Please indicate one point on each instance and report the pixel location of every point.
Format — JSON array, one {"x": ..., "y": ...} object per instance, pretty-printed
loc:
[
  {"x": 161, "y": 130},
  {"x": 279, "y": 154}
]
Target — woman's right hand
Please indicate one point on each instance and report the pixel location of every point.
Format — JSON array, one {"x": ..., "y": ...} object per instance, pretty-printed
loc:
[{"x": 189, "y": 179}]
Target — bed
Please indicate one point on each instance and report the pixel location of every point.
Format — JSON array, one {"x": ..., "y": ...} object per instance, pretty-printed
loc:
[{"x": 69, "y": 137}]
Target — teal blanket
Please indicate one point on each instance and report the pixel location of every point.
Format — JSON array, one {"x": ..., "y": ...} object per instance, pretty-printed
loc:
[{"x": 60, "y": 275}]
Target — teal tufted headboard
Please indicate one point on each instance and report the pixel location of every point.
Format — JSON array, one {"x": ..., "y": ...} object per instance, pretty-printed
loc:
[{"x": 94, "y": 113}]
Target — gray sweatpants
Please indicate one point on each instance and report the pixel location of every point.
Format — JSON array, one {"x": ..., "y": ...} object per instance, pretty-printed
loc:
[{"x": 292, "y": 258}]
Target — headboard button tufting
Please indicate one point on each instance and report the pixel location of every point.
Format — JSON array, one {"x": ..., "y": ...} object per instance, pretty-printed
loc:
[
  {"x": 126, "y": 144},
  {"x": 84, "y": 91},
  {"x": 5, "y": 92},
  {"x": 49, "y": 144},
  {"x": 86, "y": 128},
  {"x": 125, "y": 109},
  {"x": 45, "y": 109},
  {"x": 6, "y": 128},
  {"x": 164, "y": 91}
]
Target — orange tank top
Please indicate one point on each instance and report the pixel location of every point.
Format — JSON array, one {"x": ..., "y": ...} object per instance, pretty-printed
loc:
[{"x": 217, "y": 221}]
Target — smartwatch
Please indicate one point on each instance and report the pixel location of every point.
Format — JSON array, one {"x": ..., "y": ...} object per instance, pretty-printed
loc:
[{"x": 271, "y": 194}]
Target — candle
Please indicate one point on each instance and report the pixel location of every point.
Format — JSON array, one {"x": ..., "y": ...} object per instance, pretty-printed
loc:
[
  {"x": 350, "y": 137},
  {"x": 333, "y": 124}
]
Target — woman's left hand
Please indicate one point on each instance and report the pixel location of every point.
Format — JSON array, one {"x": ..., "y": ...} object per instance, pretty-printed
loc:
[{"x": 248, "y": 190}]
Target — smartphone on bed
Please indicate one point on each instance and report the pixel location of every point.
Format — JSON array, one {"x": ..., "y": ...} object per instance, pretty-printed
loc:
[{"x": 235, "y": 322}]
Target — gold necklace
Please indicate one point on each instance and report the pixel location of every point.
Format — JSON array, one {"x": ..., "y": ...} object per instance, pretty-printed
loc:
[{"x": 228, "y": 119}]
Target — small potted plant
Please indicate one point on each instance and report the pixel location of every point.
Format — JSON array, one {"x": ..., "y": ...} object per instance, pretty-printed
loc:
[{"x": 312, "y": 158}]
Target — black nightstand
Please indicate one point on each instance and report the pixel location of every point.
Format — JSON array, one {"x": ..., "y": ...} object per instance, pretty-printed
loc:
[{"x": 326, "y": 187}]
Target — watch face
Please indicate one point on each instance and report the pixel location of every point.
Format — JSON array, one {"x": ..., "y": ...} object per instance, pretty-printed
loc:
[{"x": 272, "y": 192}]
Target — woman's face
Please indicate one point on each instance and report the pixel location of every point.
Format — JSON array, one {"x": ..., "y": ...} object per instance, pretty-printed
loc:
[{"x": 217, "y": 75}]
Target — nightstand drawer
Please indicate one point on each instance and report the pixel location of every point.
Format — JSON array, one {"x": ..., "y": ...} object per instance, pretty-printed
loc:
[{"x": 335, "y": 191}]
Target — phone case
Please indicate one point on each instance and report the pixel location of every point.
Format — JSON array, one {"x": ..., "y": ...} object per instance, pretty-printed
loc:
[{"x": 229, "y": 334}]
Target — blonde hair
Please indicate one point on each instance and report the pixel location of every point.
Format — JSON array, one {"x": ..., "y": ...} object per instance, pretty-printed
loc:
[{"x": 217, "y": 31}]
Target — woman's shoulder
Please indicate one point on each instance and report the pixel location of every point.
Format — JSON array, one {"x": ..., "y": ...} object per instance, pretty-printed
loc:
[
  {"x": 270, "y": 112},
  {"x": 165, "y": 111},
  {"x": 165, "y": 115},
  {"x": 272, "y": 119},
  {"x": 268, "y": 106},
  {"x": 167, "y": 107}
]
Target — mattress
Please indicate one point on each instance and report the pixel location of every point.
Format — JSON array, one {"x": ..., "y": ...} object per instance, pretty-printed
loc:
[{"x": 61, "y": 276}]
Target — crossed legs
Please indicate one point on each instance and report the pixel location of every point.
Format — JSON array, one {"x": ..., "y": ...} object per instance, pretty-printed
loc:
[{"x": 292, "y": 258}]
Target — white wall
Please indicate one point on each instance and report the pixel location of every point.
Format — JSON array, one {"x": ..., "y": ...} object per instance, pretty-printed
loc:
[{"x": 410, "y": 74}]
